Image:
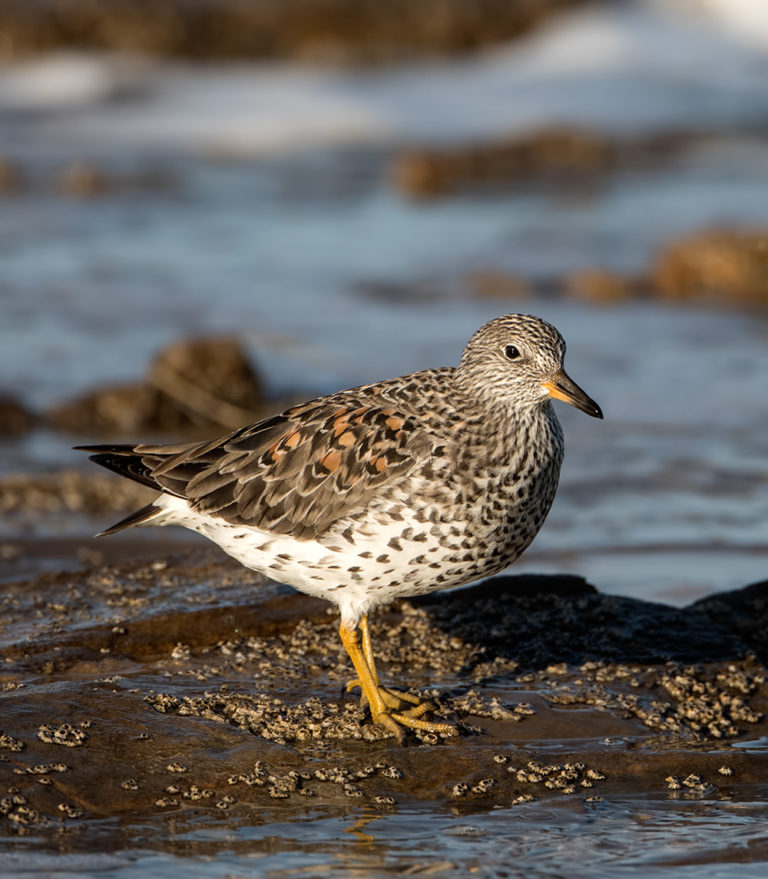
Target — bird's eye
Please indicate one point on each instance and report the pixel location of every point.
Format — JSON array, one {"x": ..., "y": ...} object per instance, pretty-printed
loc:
[{"x": 511, "y": 352}]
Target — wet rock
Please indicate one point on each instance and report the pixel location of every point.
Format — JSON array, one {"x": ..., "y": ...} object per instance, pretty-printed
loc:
[
  {"x": 601, "y": 287},
  {"x": 190, "y": 686},
  {"x": 573, "y": 160},
  {"x": 119, "y": 409},
  {"x": 83, "y": 180},
  {"x": 720, "y": 266},
  {"x": 428, "y": 290},
  {"x": 600, "y": 627},
  {"x": 15, "y": 418},
  {"x": 87, "y": 180},
  {"x": 745, "y": 611},
  {"x": 557, "y": 155},
  {"x": 210, "y": 380},
  {"x": 328, "y": 30},
  {"x": 193, "y": 384},
  {"x": 11, "y": 177},
  {"x": 490, "y": 284}
]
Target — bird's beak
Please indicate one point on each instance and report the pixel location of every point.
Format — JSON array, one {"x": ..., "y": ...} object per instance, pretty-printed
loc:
[{"x": 564, "y": 388}]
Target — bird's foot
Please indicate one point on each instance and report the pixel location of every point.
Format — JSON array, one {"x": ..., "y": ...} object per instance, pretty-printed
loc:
[
  {"x": 392, "y": 709},
  {"x": 394, "y": 721},
  {"x": 399, "y": 709}
]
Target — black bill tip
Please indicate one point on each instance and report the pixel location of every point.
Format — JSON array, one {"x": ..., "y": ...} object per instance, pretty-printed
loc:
[{"x": 562, "y": 387}]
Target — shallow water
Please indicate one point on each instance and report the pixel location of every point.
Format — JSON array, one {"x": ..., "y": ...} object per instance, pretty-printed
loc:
[{"x": 628, "y": 836}]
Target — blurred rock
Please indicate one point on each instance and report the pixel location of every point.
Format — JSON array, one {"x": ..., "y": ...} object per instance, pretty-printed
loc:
[
  {"x": 86, "y": 180},
  {"x": 15, "y": 418},
  {"x": 11, "y": 178},
  {"x": 70, "y": 491},
  {"x": 600, "y": 286},
  {"x": 327, "y": 30},
  {"x": 573, "y": 159},
  {"x": 83, "y": 180},
  {"x": 490, "y": 284},
  {"x": 197, "y": 383},
  {"x": 119, "y": 409},
  {"x": 396, "y": 292},
  {"x": 562, "y": 155},
  {"x": 210, "y": 380},
  {"x": 723, "y": 266}
]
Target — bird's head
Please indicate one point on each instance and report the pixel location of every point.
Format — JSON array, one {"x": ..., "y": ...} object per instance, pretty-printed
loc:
[{"x": 517, "y": 361}]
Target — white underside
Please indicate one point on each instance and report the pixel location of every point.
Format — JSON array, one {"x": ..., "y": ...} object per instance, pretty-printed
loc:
[{"x": 321, "y": 569}]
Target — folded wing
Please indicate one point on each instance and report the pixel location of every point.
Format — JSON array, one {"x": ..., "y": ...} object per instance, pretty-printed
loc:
[{"x": 296, "y": 474}]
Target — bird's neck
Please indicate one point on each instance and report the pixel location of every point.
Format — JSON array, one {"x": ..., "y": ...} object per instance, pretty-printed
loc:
[{"x": 512, "y": 429}]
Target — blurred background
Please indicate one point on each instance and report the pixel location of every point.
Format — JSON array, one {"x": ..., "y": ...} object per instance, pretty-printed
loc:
[{"x": 211, "y": 208}]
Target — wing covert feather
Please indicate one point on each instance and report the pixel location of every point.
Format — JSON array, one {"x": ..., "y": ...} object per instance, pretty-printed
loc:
[{"x": 299, "y": 472}]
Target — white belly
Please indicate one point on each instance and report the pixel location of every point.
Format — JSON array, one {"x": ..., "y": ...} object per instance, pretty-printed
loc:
[{"x": 356, "y": 574}]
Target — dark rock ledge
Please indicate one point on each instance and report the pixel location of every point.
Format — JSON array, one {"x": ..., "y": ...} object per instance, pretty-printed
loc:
[{"x": 191, "y": 688}]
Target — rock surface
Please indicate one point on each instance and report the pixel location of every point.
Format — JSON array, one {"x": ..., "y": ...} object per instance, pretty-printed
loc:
[
  {"x": 327, "y": 30},
  {"x": 15, "y": 418},
  {"x": 569, "y": 158},
  {"x": 192, "y": 687},
  {"x": 721, "y": 266},
  {"x": 201, "y": 384},
  {"x": 557, "y": 155}
]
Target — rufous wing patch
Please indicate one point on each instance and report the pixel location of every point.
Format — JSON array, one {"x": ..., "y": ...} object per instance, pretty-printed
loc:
[
  {"x": 377, "y": 463},
  {"x": 292, "y": 440},
  {"x": 331, "y": 461}
]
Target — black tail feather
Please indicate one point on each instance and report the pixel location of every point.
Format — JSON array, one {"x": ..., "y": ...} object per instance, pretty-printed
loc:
[
  {"x": 116, "y": 448},
  {"x": 137, "y": 518},
  {"x": 124, "y": 461}
]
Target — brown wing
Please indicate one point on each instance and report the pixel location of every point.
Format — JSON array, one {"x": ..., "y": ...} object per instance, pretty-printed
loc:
[{"x": 296, "y": 473}]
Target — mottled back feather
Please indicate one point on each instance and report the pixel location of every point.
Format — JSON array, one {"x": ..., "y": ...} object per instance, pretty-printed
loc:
[{"x": 295, "y": 474}]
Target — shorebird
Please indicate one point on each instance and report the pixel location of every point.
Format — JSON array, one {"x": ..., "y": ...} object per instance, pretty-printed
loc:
[{"x": 396, "y": 488}]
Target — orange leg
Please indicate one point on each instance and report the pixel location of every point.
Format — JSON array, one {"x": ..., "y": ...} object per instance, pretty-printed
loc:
[
  {"x": 392, "y": 698},
  {"x": 383, "y": 704}
]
